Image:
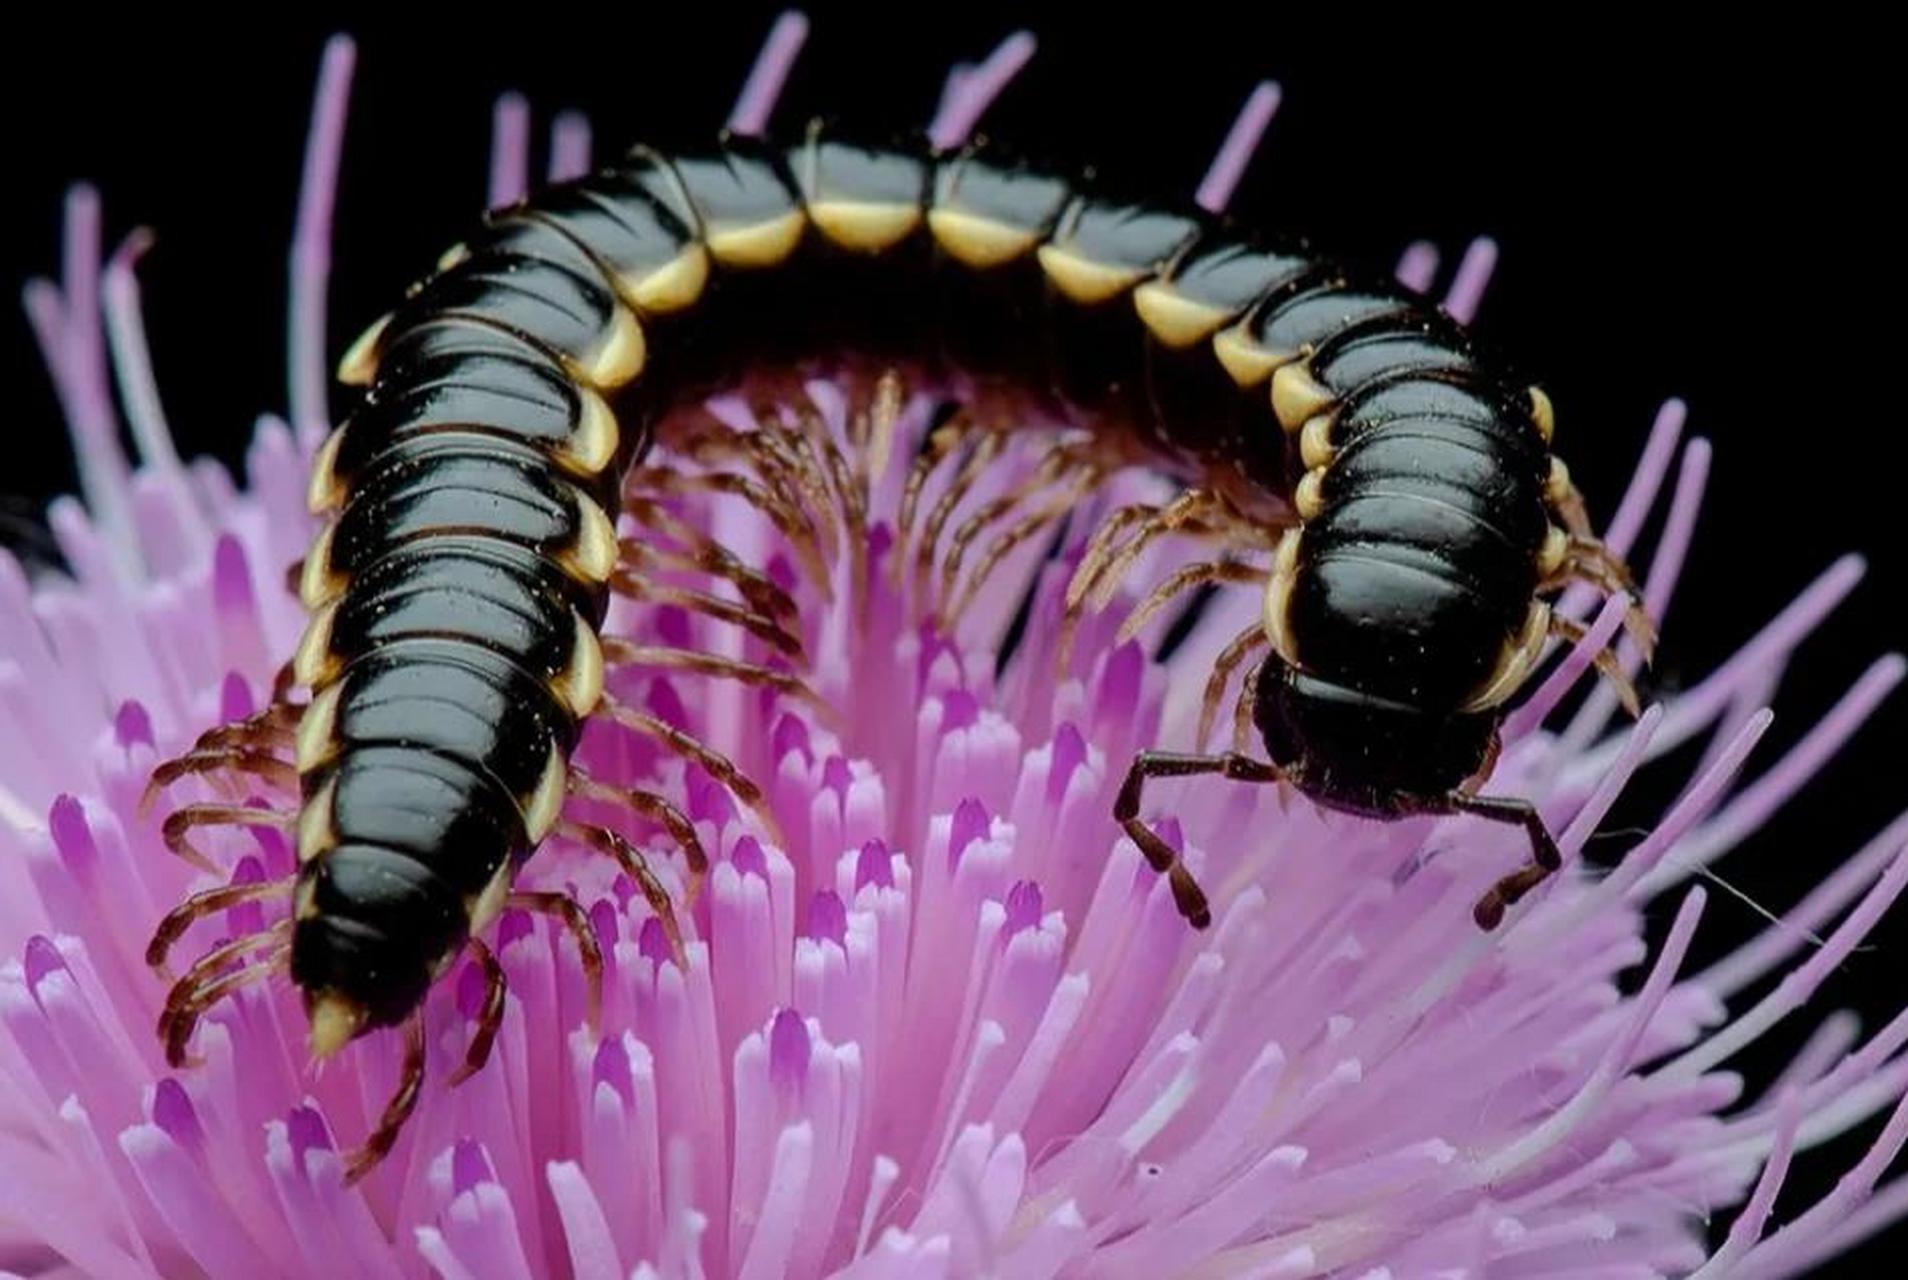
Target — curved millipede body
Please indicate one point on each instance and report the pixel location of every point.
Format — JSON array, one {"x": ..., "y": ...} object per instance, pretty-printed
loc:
[{"x": 1401, "y": 484}]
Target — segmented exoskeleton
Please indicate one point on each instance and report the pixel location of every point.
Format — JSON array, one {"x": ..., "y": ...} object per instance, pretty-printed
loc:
[{"x": 1401, "y": 488}]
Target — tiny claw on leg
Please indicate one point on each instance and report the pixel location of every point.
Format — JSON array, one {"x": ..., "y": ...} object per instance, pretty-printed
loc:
[
  {"x": 402, "y": 1103},
  {"x": 1187, "y": 895},
  {"x": 489, "y": 1017}
]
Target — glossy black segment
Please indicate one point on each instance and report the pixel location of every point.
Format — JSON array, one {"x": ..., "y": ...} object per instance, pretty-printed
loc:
[
  {"x": 454, "y": 820},
  {"x": 830, "y": 169},
  {"x": 983, "y": 183},
  {"x": 1497, "y": 410},
  {"x": 1132, "y": 236},
  {"x": 457, "y": 700},
  {"x": 495, "y": 597},
  {"x": 1363, "y": 353},
  {"x": 1305, "y": 320},
  {"x": 743, "y": 183},
  {"x": 619, "y": 221},
  {"x": 1362, "y": 752},
  {"x": 566, "y": 312},
  {"x": 500, "y": 397},
  {"x": 1230, "y": 275}
]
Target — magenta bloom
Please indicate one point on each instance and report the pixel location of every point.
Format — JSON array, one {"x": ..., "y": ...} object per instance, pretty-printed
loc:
[{"x": 936, "y": 1019}]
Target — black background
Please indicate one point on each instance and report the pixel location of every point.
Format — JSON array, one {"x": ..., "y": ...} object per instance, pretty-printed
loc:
[{"x": 1707, "y": 215}]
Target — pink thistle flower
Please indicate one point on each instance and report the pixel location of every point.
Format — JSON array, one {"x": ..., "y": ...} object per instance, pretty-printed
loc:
[{"x": 942, "y": 1023}]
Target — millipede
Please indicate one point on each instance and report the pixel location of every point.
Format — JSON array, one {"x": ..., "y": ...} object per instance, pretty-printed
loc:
[{"x": 1343, "y": 445}]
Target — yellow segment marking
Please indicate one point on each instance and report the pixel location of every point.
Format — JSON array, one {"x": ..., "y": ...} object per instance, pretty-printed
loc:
[
  {"x": 1308, "y": 498},
  {"x": 317, "y": 739},
  {"x": 1557, "y": 487},
  {"x": 671, "y": 287},
  {"x": 317, "y": 584},
  {"x": 762, "y": 244},
  {"x": 1543, "y": 414},
  {"x": 324, "y": 490},
  {"x": 1552, "y": 555},
  {"x": 1244, "y": 358},
  {"x": 313, "y": 665},
  {"x": 1297, "y": 395},
  {"x": 581, "y": 685},
  {"x": 1520, "y": 655},
  {"x": 592, "y": 446},
  {"x": 359, "y": 364},
  {"x": 1315, "y": 441},
  {"x": 545, "y": 804},
  {"x": 862, "y": 225},
  {"x": 317, "y": 827},
  {"x": 620, "y": 357},
  {"x": 1084, "y": 280},
  {"x": 487, "y": 905},
  {"x": 1176, "y": 320},
  {"x": 1278, "y": 597},
  {"x": 591, "y": 559},
  {"x": 978, "y": 241}
]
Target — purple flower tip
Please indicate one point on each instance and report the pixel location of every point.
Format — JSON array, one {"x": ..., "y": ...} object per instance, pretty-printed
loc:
[
  {"x": 827, "y": 917},
  {"x": 235, "y": 698},
  {"x": 42, "y": 958},
  {"x": 788, "y": 1049},
  {"x": 959, "y": 709},
  {"x": 132, "y": 726},
  {"x": 248, "y": 871},
  {"x": 875, "y": 865},
  {"x": 1120, "y": 686},
  {"x": 1024, "y": 906},
  {"x": 970, "y": 824},
  {"x": 709, "y": 800},
  {"x": 611, "y": 1066},
  {"x": 172, "y": 1111},
  {"x": 66, "y": 820},
  {"x": 603, "y": 915},
  {"x": 307, "y": 1131},
  {"x": 835, "y": 775},
  {"x": 672, "y": 626},
  {"x": 790, "y": 734},
  {"x": 781, "y": 571},
  {"x": 748, "y": 859},
  {"x": 652, "y": 942},
  {"x": 231, "y": 579},
  {"x": 469, "y": 1165},
  {"x": 471, "y": 986},
  {"x": 1069, "y": 753},
  {"x": 513, "y": 924},
  {"x": 666, "y": 704},
  {"x": 880, "y": 539}
]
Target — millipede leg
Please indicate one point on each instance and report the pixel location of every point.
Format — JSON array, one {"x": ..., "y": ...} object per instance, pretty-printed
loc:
[
  {"x": 271, "y": 727},
  {"x": 702, "y": 555},
  {"x": 180, "y": 821},
  {"x": 1235, "y": 652},
  {"x": 631, "y": 860},
  {"x": 616, "y": 649},
  {"x": 788, "y": 521},
  {"x": 398, "y": 1109},
  {"x": 648, "y": 804},
  {"x": 489, "y": 1017},
  {"x": 696, "y": 751},
  {"x": 1545, "y": 857},
  {"x": 1243, "y": 707},
  {"x": 1187, "y": 895},
  {"x": 1014, "y": 535},
  {"x": 1181, "y": 579},
  {"x": 787, "y": 468},
  {"x": 1592, "y": 562},
  {"x": 564, "y": 909},
  {"x": 227, "y": 758},
  {"x": 637, "y": 587},
  {"x": 1570, "y": 631},
  {"x": 941, "y": 442},
  {"x": 1184, "y": 514},
  {"x": 193, "y": 994},
  {"x": 1060, "y": 458},
  {"x": 984, "y": 451},
  {"x": 200, "y": 905}
]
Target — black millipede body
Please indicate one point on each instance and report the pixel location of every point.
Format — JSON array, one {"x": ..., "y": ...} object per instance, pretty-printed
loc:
[{"x": 453, "y": 651}]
